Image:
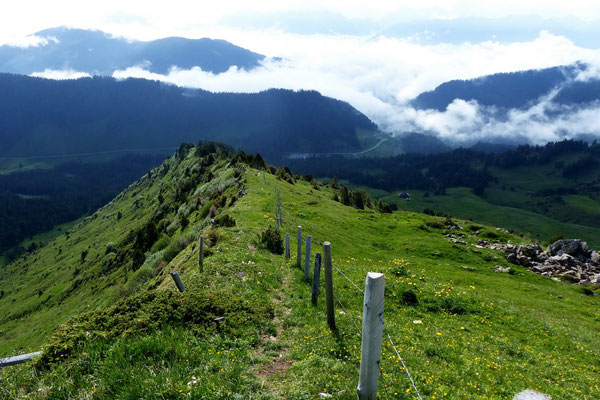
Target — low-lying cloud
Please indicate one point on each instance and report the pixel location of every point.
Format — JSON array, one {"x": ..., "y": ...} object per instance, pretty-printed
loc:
[
  {"x": 31, "y": 41},
  {"x": 468, "y": 122},
  {"x": 60, "y": 74},
  {"x": 380, "y": 75}
]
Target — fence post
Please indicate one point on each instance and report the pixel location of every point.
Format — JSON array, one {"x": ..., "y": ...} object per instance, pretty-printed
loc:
[
  {"x": 287, "y": 245},
  {"x": 307, "y": 259},
  {"x": 278, "y": 209},
  {"x": 316, "y": 278},
  {"x": 178, "y": 281},
  {"x": 201, "y": 255},
  {"x": 328, "y": 285},
  {"x": 299, "y": 256},
  {"x": 372, "y": 333},
  {"x": 8, "y": 361}
]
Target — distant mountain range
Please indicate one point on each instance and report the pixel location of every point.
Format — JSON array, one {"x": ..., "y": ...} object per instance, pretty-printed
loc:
[
  {"x": 515, "y": 108},
  {"x": 507, "y": 90},
  {"x": 514, "y": 90},
  {"x": 98, "y": 53},
  {"x": 44, "y": 117}
]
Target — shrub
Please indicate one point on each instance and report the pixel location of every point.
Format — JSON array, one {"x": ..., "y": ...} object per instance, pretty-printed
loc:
[
  {"x": 175, "y": 246},
  {"x": 271, "y": 240},
  {"x": 225, "y": 220},
  {"x": 110, "y": 247},
  {"x": 172, "y": 227},
  {"x": 160, "y": 244},
  {"x": 212, "y": 238},
  {"x": 205, "y": 209},
  {"x": 409, "y": 297}
]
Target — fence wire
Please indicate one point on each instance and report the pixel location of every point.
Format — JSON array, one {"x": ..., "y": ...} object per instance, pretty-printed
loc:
[
  {"x": 348, "y": 314},
  {"x": 386, "y": 331},
  {"x": 348, "y": 279},
  {"x": 403, "y": 364}
]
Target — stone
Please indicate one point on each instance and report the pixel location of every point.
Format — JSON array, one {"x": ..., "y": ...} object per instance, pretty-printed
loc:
[
  {"x": 570, "y": 246},
  {"x": 595, "y": 257},
  {"x": 508, "y": 270},
  {"x": 512, "y": 258},
  {"x": 531, "y": 395}
]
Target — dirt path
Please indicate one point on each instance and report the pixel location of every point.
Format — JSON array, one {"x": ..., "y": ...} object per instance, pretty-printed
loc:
[{"x": 274, "y": 347}]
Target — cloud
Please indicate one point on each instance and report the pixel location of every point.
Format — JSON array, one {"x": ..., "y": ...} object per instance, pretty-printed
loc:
[
  {"x": 31, "y": 41},
  {"x": 464, "y": 123},
  {"x": 379, "y": 76},
  {"x": 60, "y": 74}
]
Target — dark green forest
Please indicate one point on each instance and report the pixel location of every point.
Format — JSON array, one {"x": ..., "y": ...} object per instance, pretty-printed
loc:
[
  {"x": 41, "y": 117},
  {"x": 458, "y": 168},
  {"x": 37, "y": 200}
]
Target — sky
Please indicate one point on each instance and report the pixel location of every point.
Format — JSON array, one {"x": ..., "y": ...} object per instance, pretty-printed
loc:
[{"x": 375, "y": 71}]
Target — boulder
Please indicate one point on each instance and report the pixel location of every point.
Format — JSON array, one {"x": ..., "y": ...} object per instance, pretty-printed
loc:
[
  {"x": 531, "y": 395},
  {"x": 595, "y": 257},
  {"x": 572, "y": 247}
]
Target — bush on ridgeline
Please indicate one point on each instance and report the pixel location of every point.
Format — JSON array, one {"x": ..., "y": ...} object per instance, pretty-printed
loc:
[
  {"x": 271, "y": 240},
  {"x": 212, "y": 238},
  {"x": 225, "y": 220}
]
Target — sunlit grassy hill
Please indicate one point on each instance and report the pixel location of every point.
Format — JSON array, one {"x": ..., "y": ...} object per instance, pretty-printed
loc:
[{"x": 102, "y": 305}]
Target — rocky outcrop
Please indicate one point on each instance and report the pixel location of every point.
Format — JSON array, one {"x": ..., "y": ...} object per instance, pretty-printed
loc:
[{"x": 570, "y": 260}]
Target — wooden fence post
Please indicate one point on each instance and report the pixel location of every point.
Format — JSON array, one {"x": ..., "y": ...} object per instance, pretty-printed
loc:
[
  {"x": 328, "y": 285},
  {"x": 299, "y": 250},
  {"x": 287, "y": 245},
  {"x": 178, "y": 281},
  {"x": 278, "y": 209},
  {"x": 201, "y": 255},
  {"x": 316, "y": 278},
  {"x": 372, "y": 332},
  {"x": 8, "y": 361},
  {"x": 307, "y": 259}
]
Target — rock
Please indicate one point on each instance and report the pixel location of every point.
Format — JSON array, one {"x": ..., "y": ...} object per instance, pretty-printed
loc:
[
  {"x": 508, "y": 270},
  {"x": 512, "y": 258},
  {"x": 572, "y": 247},
  {"x": 595, "y": 257},
  {"x": 531, "y": 395}
]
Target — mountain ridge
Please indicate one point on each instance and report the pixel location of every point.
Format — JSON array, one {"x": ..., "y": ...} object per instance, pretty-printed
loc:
[
  {"x": 46, "y": 117},
  {"x": 97, "y": 53}
]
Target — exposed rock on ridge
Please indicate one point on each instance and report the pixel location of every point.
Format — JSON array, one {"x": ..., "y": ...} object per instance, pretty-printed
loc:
[{"x": 569, "y": 259}]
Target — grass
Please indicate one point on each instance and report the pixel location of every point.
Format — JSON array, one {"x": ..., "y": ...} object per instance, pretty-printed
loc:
[
  {"x": 464, "y": 330},
  {"x": 462, "y": 203}
]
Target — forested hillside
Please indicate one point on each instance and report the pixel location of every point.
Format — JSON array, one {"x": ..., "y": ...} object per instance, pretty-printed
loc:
[
  {"x": 36, "y": 200},
  {"x": 43, "y": 117}
]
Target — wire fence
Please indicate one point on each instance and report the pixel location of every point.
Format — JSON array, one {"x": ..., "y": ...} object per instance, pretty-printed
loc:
[
  {"x": 358, "y": 330},
  {"x": 386, "y": 331}
]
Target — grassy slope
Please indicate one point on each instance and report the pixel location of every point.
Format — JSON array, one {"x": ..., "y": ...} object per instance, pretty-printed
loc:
[
  {"x": 462, "y": 203},
  {"x": 481, "y": 334}
]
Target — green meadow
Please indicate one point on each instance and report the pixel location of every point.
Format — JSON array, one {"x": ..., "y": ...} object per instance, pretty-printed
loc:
[{"x": 99, "y": 301}]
